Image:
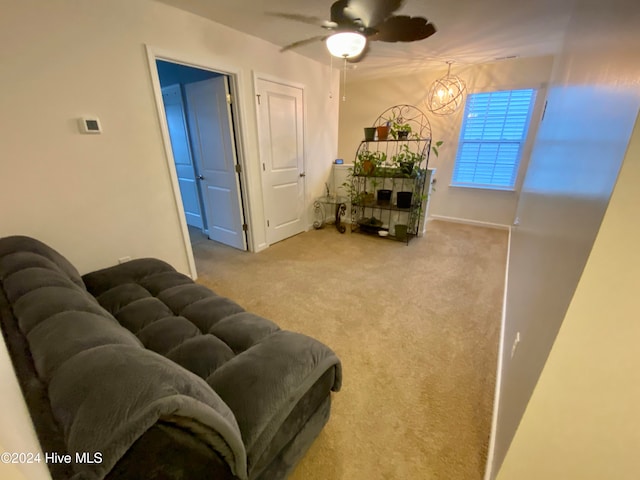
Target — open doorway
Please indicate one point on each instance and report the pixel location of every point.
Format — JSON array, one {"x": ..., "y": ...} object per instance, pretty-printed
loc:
[{"x": 200, "y": 124}]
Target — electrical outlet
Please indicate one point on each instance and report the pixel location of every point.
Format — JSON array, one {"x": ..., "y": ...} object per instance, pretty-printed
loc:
[
  {"x": 516, "y": 342},
  {"x": 124, "y": 259}
]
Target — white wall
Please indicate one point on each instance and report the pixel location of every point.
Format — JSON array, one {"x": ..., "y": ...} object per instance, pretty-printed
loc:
[
  {"x": 367, "y": 99},
  {"x": 582, "y": 420},
  {"x": 97, "y": 198},
  {"x": 17, "y": 434},
  {"x": 101, "y": 197},
  {"x": 593, "y": 105}
]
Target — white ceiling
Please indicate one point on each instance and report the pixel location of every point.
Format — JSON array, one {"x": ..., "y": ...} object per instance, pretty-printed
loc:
[{"x": 469, "y": 31}]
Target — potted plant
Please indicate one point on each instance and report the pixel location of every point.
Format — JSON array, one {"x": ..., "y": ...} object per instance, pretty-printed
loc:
[
  {"x": 369, "y": 133},
  {"x": 399, "y": 129},
  {"x": 406, "y": 160},
  {"x": 382, "y": 131},
  {"x": 401, "y": 232},
  {"x": 368, "y": 161}
]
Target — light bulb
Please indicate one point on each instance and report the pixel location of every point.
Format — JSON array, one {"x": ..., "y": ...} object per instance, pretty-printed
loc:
[{"x": 346, "y": 44}]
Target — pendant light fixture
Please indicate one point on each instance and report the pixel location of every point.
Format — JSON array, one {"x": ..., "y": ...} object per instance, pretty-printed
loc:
[
  {"x": 446, "y": 95},
  {"x": 346, "y": 44}
]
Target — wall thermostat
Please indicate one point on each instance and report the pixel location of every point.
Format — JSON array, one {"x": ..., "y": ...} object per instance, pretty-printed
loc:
[{"x": 90, "y": 125}]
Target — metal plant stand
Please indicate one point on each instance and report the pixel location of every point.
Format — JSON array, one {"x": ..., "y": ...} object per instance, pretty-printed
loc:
[
  {"x": 340, "y": 204},
  {"x": 390, "y": 177}
]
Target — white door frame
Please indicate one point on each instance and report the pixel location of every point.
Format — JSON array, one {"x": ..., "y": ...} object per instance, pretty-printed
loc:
[
  {"x": 153, "y": 54},
  {"x": 288, "y": 83}
]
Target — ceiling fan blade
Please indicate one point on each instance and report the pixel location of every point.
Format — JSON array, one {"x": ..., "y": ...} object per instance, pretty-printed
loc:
[
  {"x": 338, "y": 13},
  {"x": 402, "y": 28},
  {"x": 308, "y": 19},
  {"x": 306, "y": 41},
  {"x": 372, "y": 12}
]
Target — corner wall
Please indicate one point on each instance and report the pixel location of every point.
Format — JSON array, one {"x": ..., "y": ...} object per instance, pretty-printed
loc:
[
  {"x": 97, "y": 198},
  {"x": 366, "y": 99},
  {"x": 593, "y": 104},
  {"x": 582, "y": 420}
]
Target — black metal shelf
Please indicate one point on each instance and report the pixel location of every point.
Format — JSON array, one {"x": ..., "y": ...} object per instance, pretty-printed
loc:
[
  {"x": 393, "y": 208},
  {"x": 385, "y": 173}
]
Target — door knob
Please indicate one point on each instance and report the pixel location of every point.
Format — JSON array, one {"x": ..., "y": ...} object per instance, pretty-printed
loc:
[
  {"x": 303, "y": 174},
  {"x": 200, "y": 177}
]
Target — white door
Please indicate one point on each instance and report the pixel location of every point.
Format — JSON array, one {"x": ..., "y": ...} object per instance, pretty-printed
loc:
[
  {"x": 281, "y": 131},
  {"x": 176, "y": 121},
  {"x": 209, "y": 113}
]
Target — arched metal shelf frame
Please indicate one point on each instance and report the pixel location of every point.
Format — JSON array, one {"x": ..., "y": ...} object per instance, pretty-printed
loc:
[{"x": 364, "y": 186}]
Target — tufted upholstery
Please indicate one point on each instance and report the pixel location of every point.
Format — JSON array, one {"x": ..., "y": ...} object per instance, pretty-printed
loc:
[
  {"x": 125, "y": 349},
  {"x": 242, "y": 356}
]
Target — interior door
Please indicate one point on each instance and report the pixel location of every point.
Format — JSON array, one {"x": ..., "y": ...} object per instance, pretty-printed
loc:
[
  {"x": 281, "y": 132},
  {"x": 209, "y": 114},
  {"x": 178, "y": 132}
]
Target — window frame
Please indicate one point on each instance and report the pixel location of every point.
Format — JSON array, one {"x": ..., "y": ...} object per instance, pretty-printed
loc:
[{"x": 525, "y": 144}]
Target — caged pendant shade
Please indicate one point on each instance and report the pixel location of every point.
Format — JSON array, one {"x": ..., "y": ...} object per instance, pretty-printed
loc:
[
  {"x": 346, "y": 44},
  {"x": 446, "y": 94}
]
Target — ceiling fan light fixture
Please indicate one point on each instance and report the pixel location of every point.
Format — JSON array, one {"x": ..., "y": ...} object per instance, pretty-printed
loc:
[
  {"x": 446, "y": 95},
  {"x": 346, "y": 44}
]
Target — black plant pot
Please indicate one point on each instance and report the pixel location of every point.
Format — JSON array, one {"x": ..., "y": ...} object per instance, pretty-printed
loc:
[
  {"x": 403, "y": 134},
  {"x": 406, "y": 168},
  {"x": 404, "y": 199},
  {"x": 369, "y": 133},
  {"x": 384, "y": 197}
]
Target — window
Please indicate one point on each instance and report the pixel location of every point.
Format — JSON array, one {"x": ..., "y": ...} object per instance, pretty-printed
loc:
[{"x": 493, "y": 133}]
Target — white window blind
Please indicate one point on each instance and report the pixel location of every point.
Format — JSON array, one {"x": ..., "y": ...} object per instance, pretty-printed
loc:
[{"x": 493, "y": 133}]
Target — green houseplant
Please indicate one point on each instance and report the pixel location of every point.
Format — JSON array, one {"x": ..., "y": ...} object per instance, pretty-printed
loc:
[
  {"x": 399, "y": 129},
  {"x": 367, "y": 162},
  {"x": 405, "y": 161}
]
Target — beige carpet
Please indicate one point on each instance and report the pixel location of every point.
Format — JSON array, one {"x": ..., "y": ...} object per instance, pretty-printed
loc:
[{"x": 416, "y": 328}]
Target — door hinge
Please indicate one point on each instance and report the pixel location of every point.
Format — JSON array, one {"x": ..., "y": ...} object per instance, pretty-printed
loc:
[
  {"x": 258, "y": 95},
  {"x": 245, "y": 227},
  {"x": 238, "y": 168},
  {"x": 229, "y": 99},
  {"x": 267, "y": 223}
]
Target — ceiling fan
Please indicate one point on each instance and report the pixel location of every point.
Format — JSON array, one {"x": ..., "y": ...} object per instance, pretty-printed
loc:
[{"x": 355, "y": 23}]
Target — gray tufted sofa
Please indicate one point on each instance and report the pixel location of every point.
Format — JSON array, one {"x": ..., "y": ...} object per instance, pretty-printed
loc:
[{"x": 155, "y": 377}]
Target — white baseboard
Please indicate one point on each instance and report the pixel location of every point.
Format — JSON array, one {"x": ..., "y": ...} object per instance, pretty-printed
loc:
[
  {"x": 489, "y": 474},
  {"x": 467, "y": 221}
]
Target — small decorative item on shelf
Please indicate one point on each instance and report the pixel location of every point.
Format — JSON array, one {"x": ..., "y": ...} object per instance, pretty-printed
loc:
[
  {"x": 367, "y": 198},
  {"x": 370, "y": 225},
  {"x": 404, "y": 199},
  {"x": 384, "y": 197},
  {"x": 383, "y": 132},
  {"x": 369, "y": 134}
]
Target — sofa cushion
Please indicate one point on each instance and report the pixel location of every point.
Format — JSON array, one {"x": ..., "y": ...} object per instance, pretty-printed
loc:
[
  {"x": 261, "y": 372},
  {"x": 19, "y": 252},
  {"x": 108, "y": 396},
  {"x": 167, "y": 311}
]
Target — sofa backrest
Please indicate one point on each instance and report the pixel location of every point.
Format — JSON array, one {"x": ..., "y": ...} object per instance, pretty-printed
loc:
[{"x": 104, "y": 388}]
